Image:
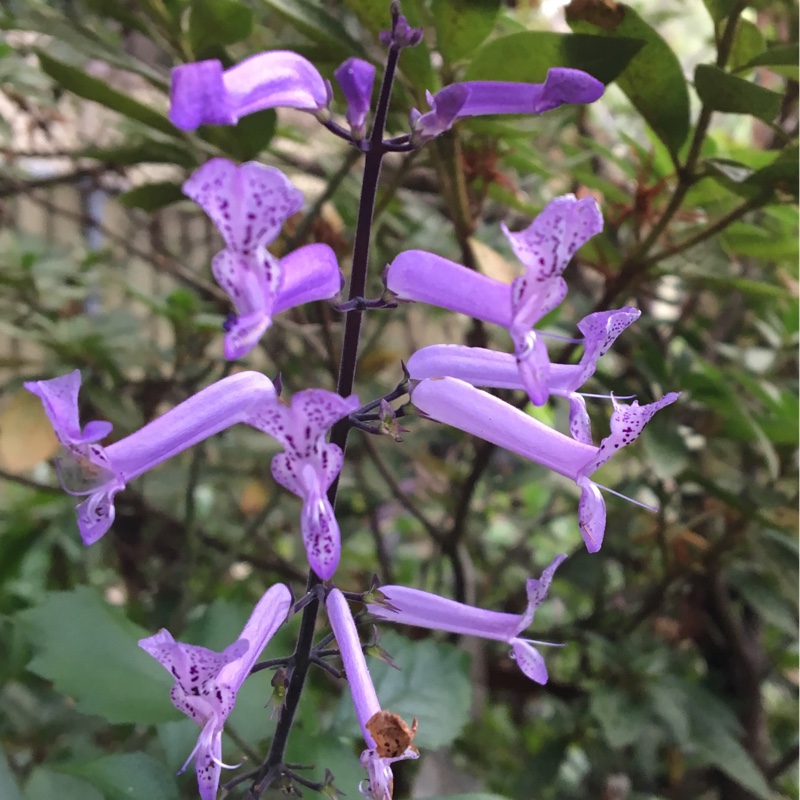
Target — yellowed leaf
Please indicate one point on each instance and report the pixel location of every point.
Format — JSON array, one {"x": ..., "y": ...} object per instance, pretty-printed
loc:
[{"x": 26, "y": 437}]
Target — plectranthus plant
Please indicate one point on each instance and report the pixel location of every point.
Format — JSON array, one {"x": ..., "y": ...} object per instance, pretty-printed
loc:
[{"x": 451, "y": 384}]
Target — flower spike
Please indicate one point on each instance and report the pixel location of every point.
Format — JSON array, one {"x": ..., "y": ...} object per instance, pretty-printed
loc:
[
  {"x": 206, "y": 682},
  {"x": 249, "y": 204},
  {"x": 204, "y": 94},
  {"x": 426, "y": 610},
  {"x": 88, "y": 469},
  {"x": 309, "y": 466},
  {"x": 461, "y": 405},
  {"x": 379, "y": 754}
]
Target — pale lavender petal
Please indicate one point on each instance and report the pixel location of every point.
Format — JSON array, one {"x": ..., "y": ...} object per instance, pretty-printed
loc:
[
  {"x": 580, "y": 425},
  {"x": 285, "y": 469},
  {"x": 362, "y": 689},
  {"x": 445, "y": 106},
  {"x": 196, "y": 708},
  {"x": 248, "y": 203},
  {"x": 600, "y": 330},
  {"x": 268, "y": 615},
  {"x": 428, "y": 278},
  {"x": 242, "y": 334},
  {"x": 426, "y": 610},
  {"x": 546, "y": 246},
  {"x": 202, "y": 93},
  {"x": 380, "y": 780},
  {"x": 481, "y": 367},
  {"x": 59, "y": 397},
  {"x": 456, "y": 403},
  {"x": 532, "y": 298},
  {"x": 534, "y": 367},
  {"x": 591, "y": 515},
  {"x": 537, "y": 591},
  {"x": 250, "y": 281},
  {"x": 208, "y": 764},
  {"x": 356, "y": 78},
  {"x": 309, "y": 273},
  {"x": 321, "y": 535},
  {"x": 627, "y": 422},
  {"x": 96, "y": 514},
  {"x": 192, "y": 666},
  {"x": 530, "y": 661}
]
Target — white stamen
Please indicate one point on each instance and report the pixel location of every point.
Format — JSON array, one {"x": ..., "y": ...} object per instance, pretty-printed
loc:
[{"x": 625, "y": 497}]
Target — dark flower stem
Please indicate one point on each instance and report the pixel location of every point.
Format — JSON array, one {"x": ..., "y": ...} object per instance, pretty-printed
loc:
[{"x": 302, "y": 656}]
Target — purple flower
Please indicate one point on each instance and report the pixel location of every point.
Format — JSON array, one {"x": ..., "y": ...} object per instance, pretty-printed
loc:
[
  {"x": 461, "y": 405},
  {"x": 356, "y": 77},
  {"x": 88, "y": 469},
  {"x": 489, "y": 368},
  {"x": 380, "y": 782},
  {"x": 545, "y": 248},
  {"x": 407, "y": 606},
  {"x": 204, "y": 94},
  {"x": 249, "y": 204},
  {"x": 309, "y": 465},
  {"x": 478, "y": 98},
  {"x": 206, "y": 682}
]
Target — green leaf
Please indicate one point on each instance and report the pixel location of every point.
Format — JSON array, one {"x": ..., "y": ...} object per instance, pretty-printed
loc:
[
  {"x": 653, "y": 81},
  {"x": 88, "y": 650},
  {"x": 152, "y": 196},
  {"x": 123, "y": 776},
  {"x": 621, "y": 719},
  {"x": 87, "y": 86},
  {"x": 719, "y": 9},
  {"x": 748, "y": 43},
  {"x": 721, "y": 91},
  {"x": 8, "y": 785},
  {"x": 46, "y": 784},
  {"x": 432, "y": 685},
  {"x": 247, "y": 138},
  {"x": 782, "y": 59},
  {"x": 148, "y": 151},
  {"x": 462, "y": 25},
  {"x": 527, "y": 56},
  {"x": 214, "y": 23}
]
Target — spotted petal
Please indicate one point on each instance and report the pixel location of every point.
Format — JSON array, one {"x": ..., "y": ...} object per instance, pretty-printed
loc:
[
  {"x": 530, "y": 661},
  {"x": 248, "y": 203}
]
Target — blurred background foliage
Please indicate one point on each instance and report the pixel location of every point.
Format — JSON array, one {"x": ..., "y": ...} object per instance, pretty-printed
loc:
[{"x": 680, "y": 675}]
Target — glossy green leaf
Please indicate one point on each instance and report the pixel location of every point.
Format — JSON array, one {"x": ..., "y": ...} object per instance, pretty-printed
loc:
[
  {"x": 89, "y": 650},
  {"x": 152, "y": 196},
  {"x": 123, "y": 776},
  {"x": 462, "y": 25},
  {"x": 748, "y": 43},
  {"x": 721, "y": 91},
  {"x": 78, "y": 82},
  {"x": 215, "y": 23},
  {"x": 653, "y": 81},
  {"x": 432, "y": 685},
  {"x": 527, "y": 56}
]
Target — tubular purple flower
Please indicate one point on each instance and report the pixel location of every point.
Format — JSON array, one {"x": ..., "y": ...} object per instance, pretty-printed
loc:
[
  {"x": 562, "y": 86},
  {"x": 545, "y": 248},
  {"x": 407, "y": 606},
  {"x": 380, "y": 783},
  {"x": 204, "y": 94},
  {"x": 356, "y": 78},
  {"x": 489, "y": 368},
  {"x": 249, "y": 204},
  {"x": 206, "y": 682},
  {"x": 461, "y": 405},
  {"x": 309, "y": 466},
  {"x": 88, "y": 469}
]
